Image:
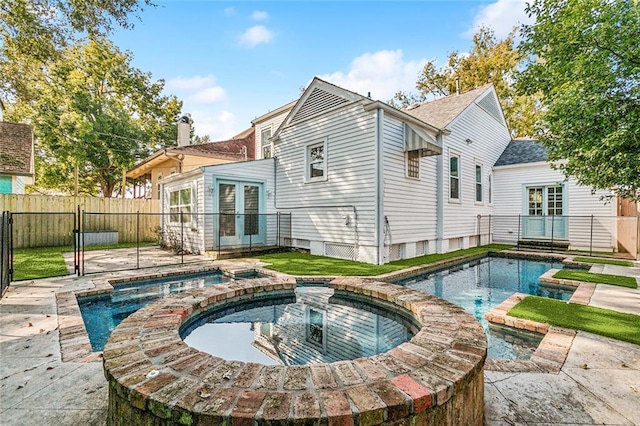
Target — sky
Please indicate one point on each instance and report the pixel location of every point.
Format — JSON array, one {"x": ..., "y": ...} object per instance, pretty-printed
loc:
[{"x": 230, "y": 62}]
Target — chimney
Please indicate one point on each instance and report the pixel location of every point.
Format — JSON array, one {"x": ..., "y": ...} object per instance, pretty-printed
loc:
[
  {"x": 184, "y": 130},
  {"x": 457, "y": 85}
]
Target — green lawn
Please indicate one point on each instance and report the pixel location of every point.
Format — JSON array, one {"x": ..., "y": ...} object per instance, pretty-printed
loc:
[
  {"x": 296, "y": 263},
  {"x": 604, "y": 261},
  {"x": 572, "y": 274},
  {"x": 44, "y": 262},
  {"x": 605, "y": 322}
]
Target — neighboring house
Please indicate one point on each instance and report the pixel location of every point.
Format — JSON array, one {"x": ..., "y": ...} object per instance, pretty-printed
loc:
[
  {"x": 16, "y": 156},
  {"x": 186, "y": 157},
  {"x": 363, "y": 180}
]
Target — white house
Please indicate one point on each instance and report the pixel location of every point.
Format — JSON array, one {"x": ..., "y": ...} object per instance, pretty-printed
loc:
[{"x": 365, "y": 181}]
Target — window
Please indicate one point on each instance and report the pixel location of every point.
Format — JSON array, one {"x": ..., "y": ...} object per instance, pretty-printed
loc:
[
  {"x": 554, "y": 200},
  {"x": 315, "y": 327},
  {"x": 478, "y": 183},
  {"x": 266, "y": 143},
  {"x": 454, "y": 177},
  {"x": 316, "y": 161},
  {"x": 413, "y": 164},
  {"x": 535, "y": 201},
  {"x": 180, "y": 205},
  {"x": 545, "y": 200}
]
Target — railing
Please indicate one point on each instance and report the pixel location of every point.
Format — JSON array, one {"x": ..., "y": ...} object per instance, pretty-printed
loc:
[
  {"x": 5, "y": 252},
  {"x": 588, "y": 234}
]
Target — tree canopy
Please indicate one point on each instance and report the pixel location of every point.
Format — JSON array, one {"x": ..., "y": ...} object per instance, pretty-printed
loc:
[
  {"x": 489, "y": 61},
  {"x": 585, "y": 60},
  {"x": 97, "y": 112}
]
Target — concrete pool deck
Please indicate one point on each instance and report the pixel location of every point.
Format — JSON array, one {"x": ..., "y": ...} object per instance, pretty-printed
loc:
[{"x": 599, "y": 382}]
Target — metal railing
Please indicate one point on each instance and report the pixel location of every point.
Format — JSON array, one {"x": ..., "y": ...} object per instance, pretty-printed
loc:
[
  {"x": 5, "y": 252},
  {"x": 588, "y": 234}
]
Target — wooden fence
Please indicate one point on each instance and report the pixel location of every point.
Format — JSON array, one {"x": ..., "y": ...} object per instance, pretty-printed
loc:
[{"x": 44, "y": 221}]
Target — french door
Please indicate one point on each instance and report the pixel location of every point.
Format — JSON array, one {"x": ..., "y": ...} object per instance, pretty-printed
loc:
[
  {"x": 544, "y": 217},
  {"x": 239, "y": 205}
]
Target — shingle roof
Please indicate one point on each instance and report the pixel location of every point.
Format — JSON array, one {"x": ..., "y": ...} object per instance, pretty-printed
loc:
[
  {"x": 520, "y": 151},
  {"x": 16, "y": 149},
  {"x": 441, "y": 112}
]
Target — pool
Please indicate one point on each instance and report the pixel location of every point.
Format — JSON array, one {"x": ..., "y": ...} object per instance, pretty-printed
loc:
[
  {"x": 102, "y": 313},
  {"x": 316, "y": 326},
  {"x": 481, "y": 285}
]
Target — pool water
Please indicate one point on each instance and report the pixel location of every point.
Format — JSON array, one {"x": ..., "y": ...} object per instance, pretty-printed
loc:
[
  {"x": 102, "y": 313},
  {"x": 482, "y": 285},
  {"x": 315, "y": 326}
]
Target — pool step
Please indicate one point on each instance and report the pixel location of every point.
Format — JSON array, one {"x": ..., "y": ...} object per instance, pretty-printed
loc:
[
  {"x": 234, "y": 253},
  {"x": 545, "y": 245}
]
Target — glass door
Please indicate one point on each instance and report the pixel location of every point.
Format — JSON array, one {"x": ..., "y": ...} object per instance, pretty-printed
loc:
[
  {"x": 544, "y": 217},
  {"x": 239, "y": 211}
]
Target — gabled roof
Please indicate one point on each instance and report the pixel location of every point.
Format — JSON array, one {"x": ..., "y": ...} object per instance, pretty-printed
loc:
[
  {"x": 16, "y": 149},
  {"x": 521, "y": 151},
  {"x": 321, "y": 96},
  {"x": 277, "y": 111},
  {"x": 241, "y": 147},
  {"x": 441, "y": 112}
]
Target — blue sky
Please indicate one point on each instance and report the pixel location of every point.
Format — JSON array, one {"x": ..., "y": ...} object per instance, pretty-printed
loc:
[{"x": 233, "y": 61}]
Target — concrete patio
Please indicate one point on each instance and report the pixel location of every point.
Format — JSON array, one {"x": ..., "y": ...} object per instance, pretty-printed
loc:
[{"x": 599, "y": 382}]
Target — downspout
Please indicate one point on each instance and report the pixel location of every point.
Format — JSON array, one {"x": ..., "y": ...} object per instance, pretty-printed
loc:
[
  {"x": 379, "y": 177},
  {"x": 439, "y": 196}
]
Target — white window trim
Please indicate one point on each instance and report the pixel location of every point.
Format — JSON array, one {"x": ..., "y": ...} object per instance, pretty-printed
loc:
[
  {"x": 406, "y": 166},
  {"x": 307, "y": 163},
  {"x": 193, "y": 186},
  {"x": 262, "y": 144},
  {"x": 475, "y": 186},
  {"x": 459, "y": 199}
]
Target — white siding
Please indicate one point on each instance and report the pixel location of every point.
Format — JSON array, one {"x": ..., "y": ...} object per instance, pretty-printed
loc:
[
  {"x": 272, "y": 123},
  {"x": 350, "y": 156},
  {"x": 409, "y": 203},
  {"x": 192, "y": 233},
  {"x": 488, "y": 139},
  {"x": 510, "y": 183}
]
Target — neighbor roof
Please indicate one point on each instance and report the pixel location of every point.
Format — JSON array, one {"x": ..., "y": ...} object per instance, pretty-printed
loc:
[
  {"x": 441, "y": 112},
  {"x": 521, "y": 151},
  {"x": 16, "y": 149}
]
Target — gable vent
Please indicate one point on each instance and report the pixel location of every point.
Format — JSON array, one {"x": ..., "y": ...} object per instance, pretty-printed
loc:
[
  {"x": 318, "y": 101},
  {"x": 489, "y": 104}
]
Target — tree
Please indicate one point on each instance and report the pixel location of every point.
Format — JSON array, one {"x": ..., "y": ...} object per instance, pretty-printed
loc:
[
  {"x": 489, "y": 61},
  {"x": 99, "y": 114},
  {"x": 585, "y": 60},
  {"x": 33, "y": 32}
]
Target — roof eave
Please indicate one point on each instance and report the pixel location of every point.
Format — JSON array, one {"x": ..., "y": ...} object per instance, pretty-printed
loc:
[{"x": 404, "y": 116}]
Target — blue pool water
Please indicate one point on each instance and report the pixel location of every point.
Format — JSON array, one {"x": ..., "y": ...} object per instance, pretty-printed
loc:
[
  {"x": 101, "y": 314},
  {"x": 481, "y": 285}
]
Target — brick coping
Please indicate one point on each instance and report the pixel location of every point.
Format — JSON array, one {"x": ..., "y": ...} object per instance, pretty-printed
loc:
[{"x": 153, "y": 374}]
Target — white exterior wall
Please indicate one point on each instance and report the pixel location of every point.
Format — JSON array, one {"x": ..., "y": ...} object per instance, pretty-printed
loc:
[
  {"x": 510, "y": 183},
  {"x": 350, "y": 134},
  {"x": 191, "y": 232},
  {"x": 489, "y": 138},
  {"x": 409, "y": 203},
  {"x": 272, "y": 123}
]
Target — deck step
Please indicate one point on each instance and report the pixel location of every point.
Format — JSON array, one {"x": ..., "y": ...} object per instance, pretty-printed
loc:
[
  {"x": 235, "y": 253},
  {"x": 545, "y": 245}
]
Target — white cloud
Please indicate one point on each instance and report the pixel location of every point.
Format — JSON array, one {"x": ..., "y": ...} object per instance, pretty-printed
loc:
[
  {"x": 197, "y": 89},
  {"x": 501, "y": 16},
  {"x": 218, "y": 124},
  {"x": 255, "y": 35},
  {"x": 229, "y": 11},
  {"x": 259, "y": 15},
  {"x": 382, "y": 73}
]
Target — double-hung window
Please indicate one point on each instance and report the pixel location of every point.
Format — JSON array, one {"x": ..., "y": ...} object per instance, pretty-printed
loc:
[
  {"x": 413, "y": 164},
  {"x": 316, "y": 161},
  {"x": 266, "y": 143},
  {"x": 479, "y": 188},
  {"x": 180, "y": 205},
  {"x": 454, "y": 177}
]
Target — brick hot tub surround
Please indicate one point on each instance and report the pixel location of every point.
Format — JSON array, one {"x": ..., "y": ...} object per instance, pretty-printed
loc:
[{"x": 435, "y": 378}]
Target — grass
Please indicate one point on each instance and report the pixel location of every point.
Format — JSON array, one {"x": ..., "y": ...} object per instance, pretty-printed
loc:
[
  {"x": 296, "y": 263},
  {"x": 605, "y": 322},
  {"x": 44, "y": 262},
  {"x": 604, "y": 261},
  {"x": 571, "y": 274}
]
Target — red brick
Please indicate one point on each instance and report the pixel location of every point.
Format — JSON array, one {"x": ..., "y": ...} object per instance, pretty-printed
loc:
[
  {"x": 370, "y": 408},
  {"x": 276, "y": 406},
  {"x": 337, "y": 407},
  {"x": 421, "y": 396}
]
